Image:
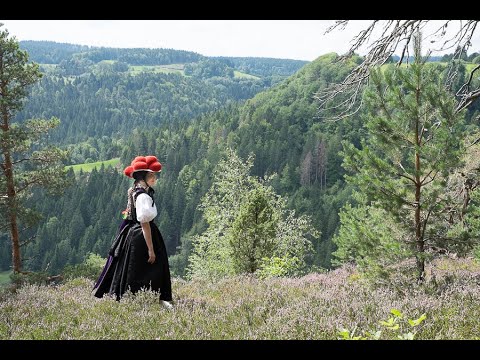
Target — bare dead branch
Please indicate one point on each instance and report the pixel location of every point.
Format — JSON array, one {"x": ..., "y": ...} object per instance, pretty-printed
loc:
[
  {"x": 394, "y": 34},
  {"x": 429, "y": 181}
]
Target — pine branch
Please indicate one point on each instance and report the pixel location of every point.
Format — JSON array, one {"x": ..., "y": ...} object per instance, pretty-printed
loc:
[
  {"x": 407, "y": 177},
  {"x": 421, "y": 182},
  {"x": 19, "y": 161},
  {"x": 29, "y": 240},
  {"x": 27, "y": 184}
]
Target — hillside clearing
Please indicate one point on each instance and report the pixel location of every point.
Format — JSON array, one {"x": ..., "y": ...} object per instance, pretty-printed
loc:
[{"x": 88, "y": 167}]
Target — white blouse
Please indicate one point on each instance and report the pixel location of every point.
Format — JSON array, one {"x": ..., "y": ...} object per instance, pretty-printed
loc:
[{"x": 145, "y": 211}]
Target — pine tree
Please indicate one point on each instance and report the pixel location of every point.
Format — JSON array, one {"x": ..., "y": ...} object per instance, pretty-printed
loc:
[
  {"x": 25, "y": 162},
  {"x": 415, "y": 141}
]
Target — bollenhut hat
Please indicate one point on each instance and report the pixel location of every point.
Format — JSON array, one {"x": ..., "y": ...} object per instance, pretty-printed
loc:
[{"x": 148, "y": 163}]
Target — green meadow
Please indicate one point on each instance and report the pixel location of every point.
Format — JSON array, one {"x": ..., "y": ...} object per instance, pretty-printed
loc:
[{"x": 88, "y": 167}]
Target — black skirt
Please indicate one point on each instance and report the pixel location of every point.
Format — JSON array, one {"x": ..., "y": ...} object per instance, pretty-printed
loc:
[{"x": 127, "y": 267}]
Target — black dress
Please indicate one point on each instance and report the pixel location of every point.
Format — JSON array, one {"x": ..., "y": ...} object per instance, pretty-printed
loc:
[{"x": 127, "y": 267}]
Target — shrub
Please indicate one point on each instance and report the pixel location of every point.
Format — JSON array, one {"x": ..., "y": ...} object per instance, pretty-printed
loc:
[
  {"x": 277, "y": 266},
  {"x": 90, "y": 269}
]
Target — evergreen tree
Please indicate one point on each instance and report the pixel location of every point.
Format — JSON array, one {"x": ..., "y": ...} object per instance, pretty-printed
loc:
[
  {"x": 25, "y": 162},
  {"x": 253, "y": 231},
  {"x": 369, "y": 237},
  {"x": 415, "y": 142}
]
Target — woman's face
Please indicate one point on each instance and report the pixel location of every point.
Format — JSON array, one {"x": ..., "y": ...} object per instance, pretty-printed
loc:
[{"x": 151, "y": 179}]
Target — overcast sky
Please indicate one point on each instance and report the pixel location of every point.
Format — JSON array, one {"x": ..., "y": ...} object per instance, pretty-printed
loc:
[{"x": 291, "y": 39}]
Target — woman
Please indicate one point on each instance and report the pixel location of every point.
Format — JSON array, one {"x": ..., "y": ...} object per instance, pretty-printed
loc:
[{"x": 138, "y": 257}]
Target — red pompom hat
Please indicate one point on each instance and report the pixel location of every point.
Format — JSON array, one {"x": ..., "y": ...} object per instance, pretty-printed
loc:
[{"x": 143, "y": 163}]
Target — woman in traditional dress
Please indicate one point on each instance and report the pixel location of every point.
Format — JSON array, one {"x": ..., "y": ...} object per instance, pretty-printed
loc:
[{"x": 138, "y": 257}]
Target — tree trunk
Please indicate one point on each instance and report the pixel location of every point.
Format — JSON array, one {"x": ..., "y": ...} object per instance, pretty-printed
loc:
[
  {"x": 418, "y": 187},
  {"x": 11, "y": 195},
  {"x": 418, "y": 231}
]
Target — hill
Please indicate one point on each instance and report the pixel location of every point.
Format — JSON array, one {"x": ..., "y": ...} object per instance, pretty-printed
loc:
[
  {"x": 278, "y": 125},
  {"x": 51, "y": 52},
  {"x": 98, "y": 92},
  {"x": 334, "y": 305}
]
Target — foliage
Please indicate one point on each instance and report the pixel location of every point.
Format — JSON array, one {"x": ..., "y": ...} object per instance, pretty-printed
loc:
[
  {"x": 207, "y": 68},
  {"x": 28, "y": 160},
  {"x": 113, "y": 104},
  {"x": 49, "y": 52},
  {"x": 179, "y": 262},
  {"x": 90, "y": 268},
  {"x": 54, "y": 53},
  {"x": 264, "y": 67},
  {"x": 415, "y": 141},
  {"x": 369, "y": 237},
  {"x": 253, "y": 231},
  {"x": 464, "y": 212},
  {"x": 85, "y": 219},
  {"x": 29, "y": 278},
  {"x": 247, "y": 222},
  {"x": 278, "y": 266},
  {"x": 392, "y": 324},
  {"x": 476, "y": 252}
]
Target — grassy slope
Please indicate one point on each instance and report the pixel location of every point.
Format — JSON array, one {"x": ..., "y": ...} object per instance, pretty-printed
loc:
[
  {"x": 239, "y": 74},
  {"x": 89, "y": 166},
  {"x": 315, "y": 306},
  {"x": 171, "y": 68},
  {"x": 4, "y": 277},
  {"x": 176, "y": 69},
  {"x": 168, "y": 69}
]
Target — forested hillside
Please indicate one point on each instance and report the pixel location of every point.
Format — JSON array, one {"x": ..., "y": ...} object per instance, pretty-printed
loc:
[
  {"x": 99, "y": 92},
  {"x": 279, "y": 126},
  {"x": 188, "y": 122},
  {"x": 114, "y": 104},
  {"x": 264, "y": 66},
  {"x": 107, "y": 98},
  {"x": 50, "y": 52}
]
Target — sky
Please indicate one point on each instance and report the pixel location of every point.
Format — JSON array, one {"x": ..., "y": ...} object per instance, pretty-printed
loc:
[{"x": 288, "y": 39}]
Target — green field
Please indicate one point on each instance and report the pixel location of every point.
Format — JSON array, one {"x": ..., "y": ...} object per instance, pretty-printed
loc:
[
  {"x": 239, "y": 74},
  {"x": 90, "y": 166},
  {"x": 167, "y": 69},
  {"x": 4, "y": 277}
]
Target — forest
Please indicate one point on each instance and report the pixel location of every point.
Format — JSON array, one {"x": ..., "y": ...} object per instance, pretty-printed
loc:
[
  {"x": 189, "y": 122},
  {"x": 263, "y": 197}
]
